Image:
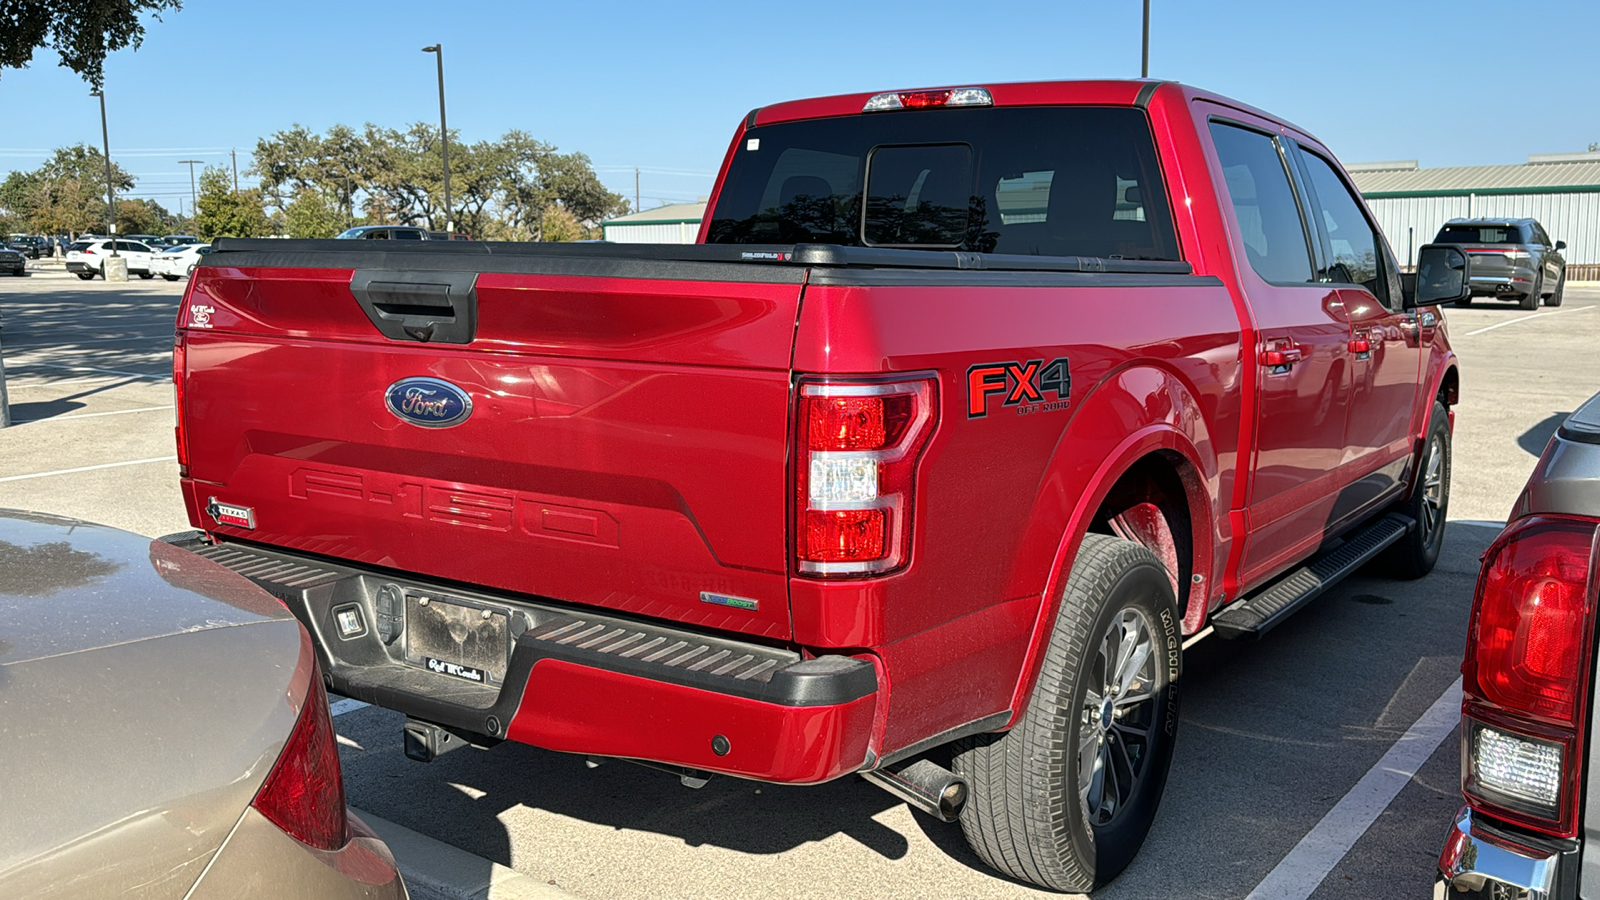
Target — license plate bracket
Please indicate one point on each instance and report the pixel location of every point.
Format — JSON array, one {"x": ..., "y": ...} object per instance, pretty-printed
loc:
[{"x": 456, "y": 638}]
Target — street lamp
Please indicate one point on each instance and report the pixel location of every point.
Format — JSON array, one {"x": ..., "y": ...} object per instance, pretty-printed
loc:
[
  {"x": 444, "y": 137},
  {"x": 194, "y": 206},
  {"x": 111, "y": 197}
]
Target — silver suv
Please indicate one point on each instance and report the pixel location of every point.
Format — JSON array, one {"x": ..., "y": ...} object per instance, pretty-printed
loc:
[{"x": 1510, "y": 258}]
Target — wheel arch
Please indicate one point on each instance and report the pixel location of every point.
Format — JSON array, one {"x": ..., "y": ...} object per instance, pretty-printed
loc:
[{"x": 1158, "y": 485}]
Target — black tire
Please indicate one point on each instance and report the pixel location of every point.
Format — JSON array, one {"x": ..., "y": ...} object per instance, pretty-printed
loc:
[
  {"x": 86, "y": 276},
  {"x": 1415, "y": 555},
  {"x": 147, "y": 275},
  {"x": 170, "y": 277},
  {"x": 1530, "y": 300},
  {"x": 1561, "y": 286},
  {"x": 1028, "y": 815},
  {"x": 1467, "y": 301}
]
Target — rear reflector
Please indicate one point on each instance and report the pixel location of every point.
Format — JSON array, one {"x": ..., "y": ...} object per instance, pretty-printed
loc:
[{"x": 967, "y": 96}]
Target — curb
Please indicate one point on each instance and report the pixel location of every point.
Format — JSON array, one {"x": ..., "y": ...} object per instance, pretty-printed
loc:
[{"x": 434, "y": 870}]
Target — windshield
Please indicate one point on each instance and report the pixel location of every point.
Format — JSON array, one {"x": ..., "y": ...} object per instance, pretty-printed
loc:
[{"x": 1051, "y": 181}]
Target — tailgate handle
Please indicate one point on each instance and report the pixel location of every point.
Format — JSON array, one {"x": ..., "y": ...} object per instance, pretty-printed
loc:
[{"x": 429, "y": 307}]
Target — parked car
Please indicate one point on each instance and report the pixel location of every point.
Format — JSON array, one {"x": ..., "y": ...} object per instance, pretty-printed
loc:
[
  {"x": 13, "y": 261},
  {"x": 175, "y": 262},
  {"x": 974, "y": 406},
  {"x": 166, "y": 731},
  {"x": 86, "y": 259},
  {"x": 1528, "y": 679},
  {"x": 1510, "y": 258},
  {"x": 173, "y": 240},
  {"x": 386, "y": 233},
  {"x": 149, "y": 240},
  {"x": 28, "y": 245}
]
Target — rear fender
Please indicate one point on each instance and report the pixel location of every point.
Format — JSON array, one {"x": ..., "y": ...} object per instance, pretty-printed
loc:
[{"x": 1089, "y": 461}]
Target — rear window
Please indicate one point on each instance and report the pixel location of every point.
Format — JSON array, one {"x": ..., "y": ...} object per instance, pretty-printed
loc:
[
  {"x": 1047, "y": 181},
  {"x": 80, "y": 246},
  {"x": 1481, "y": 234}
]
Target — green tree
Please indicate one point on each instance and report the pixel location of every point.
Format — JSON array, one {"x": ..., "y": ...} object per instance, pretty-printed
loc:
[
  {"x": 499, "y": 189},
  {"x": 65, "y": 195},
  {"x": 313, "y": 214},
  {"x": 81, "y": 32},
  {"x": 224, "y": 212},
  {"x": 141, "y": 216}
]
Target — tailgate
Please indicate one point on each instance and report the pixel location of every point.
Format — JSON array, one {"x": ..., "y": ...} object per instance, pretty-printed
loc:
[{"x": 614, "y": 429}]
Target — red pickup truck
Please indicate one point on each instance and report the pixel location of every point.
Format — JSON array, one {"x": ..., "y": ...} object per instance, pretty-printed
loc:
[{"x": 969, "y": 410}]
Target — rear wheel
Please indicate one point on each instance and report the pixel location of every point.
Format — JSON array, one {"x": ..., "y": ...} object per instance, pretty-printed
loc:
[
  {"x": 1415, "y": 554},
  {"x": 147, "y": 275},
  {"x": 170, "y": 277},
  {"x": 1065, "y": 798},
  {"x": 1561, "y": 285},
  {"x": 1464, "y": 301},
  {"x": 1530, "y": 300},
  {"x": 86, "y": 276}
]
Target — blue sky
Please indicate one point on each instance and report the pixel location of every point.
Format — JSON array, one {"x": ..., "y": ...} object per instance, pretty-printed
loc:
[{"x": 661, "y": 86}]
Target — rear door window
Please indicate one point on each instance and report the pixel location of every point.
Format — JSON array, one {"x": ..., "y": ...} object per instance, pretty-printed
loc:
[
  {"x": 1270, "y": 226},
  {"x": 1051, "y": 181}
]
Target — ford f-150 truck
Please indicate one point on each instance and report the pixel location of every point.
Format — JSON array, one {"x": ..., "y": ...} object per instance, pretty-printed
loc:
[{"x": 969, "y": 410}]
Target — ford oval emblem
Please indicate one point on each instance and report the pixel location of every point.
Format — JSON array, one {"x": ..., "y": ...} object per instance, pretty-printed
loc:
[{"x": 428, "y": 402}]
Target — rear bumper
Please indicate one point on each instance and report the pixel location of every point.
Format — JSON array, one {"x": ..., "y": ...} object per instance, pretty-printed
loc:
[
  {"x": 575, "y": 680},
  {"x": 1481, "y": 861}
]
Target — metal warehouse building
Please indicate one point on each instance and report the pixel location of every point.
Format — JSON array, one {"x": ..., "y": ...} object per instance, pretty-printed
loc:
[
  {"x": 1561, "y": 190},
  {"x": 678, "y": 223}
]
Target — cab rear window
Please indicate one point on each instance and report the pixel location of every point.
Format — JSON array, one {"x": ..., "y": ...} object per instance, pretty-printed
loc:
[
  {"x": 1481, "y": 234},
  {"x": 1048, "y": 181}
]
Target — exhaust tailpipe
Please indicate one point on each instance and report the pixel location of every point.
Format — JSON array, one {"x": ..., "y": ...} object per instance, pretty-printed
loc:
[{"x": 925, "y": 785}]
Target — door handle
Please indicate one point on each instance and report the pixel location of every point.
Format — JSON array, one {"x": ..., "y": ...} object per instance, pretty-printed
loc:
[{"x": 1280, "y": 357}]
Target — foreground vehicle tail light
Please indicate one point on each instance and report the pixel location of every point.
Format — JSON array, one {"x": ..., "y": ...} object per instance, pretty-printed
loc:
[
  {"x": 304, "y": 794},
  {"x": 858, "y": 446},
  {"x": 1526, "y": 676}
]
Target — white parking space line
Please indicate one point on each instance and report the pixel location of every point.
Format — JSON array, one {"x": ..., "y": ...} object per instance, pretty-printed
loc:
[
  {"x": 24, "y": 345},
  {"x": 1297, "y": 875},
  {"x": 130, "y": 462},
  {"x": 93, "y": 369},
  {"x": 114, "y": 412},
  {"x": 1526, "y": 318},
  {"x": 345, "y": 704}
]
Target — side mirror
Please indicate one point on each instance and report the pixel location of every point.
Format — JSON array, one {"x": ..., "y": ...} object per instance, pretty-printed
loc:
[
  {"x": 1561, "y": 245},
  {"x": 1441, "y": 277}
]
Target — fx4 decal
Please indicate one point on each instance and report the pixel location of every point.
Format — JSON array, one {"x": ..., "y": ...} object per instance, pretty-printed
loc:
[{"x": 1021, "y": 384}]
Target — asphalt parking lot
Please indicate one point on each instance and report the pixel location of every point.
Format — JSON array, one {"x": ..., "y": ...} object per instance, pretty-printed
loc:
[{"x": 1320, "y": 762}]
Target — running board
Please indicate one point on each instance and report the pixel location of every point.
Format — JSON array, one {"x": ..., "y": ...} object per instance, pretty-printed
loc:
[{"x": 1260, "y": 612}]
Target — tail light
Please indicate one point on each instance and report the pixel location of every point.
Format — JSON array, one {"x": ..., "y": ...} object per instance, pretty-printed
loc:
[
  {"x": 180, "y": 368},
  {"x": 1526, "y": 675},
  {"x": 858, "y": 446},
  {"x": 304, "y": 794}
]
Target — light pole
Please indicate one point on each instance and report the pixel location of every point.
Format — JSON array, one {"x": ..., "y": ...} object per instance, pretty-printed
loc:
[
  {"x": 1144, "y": 60},
  {"x": 193, "y": 197},
  {"x": 444, "y": 137},
  {"x": 111, "y": 197}
]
